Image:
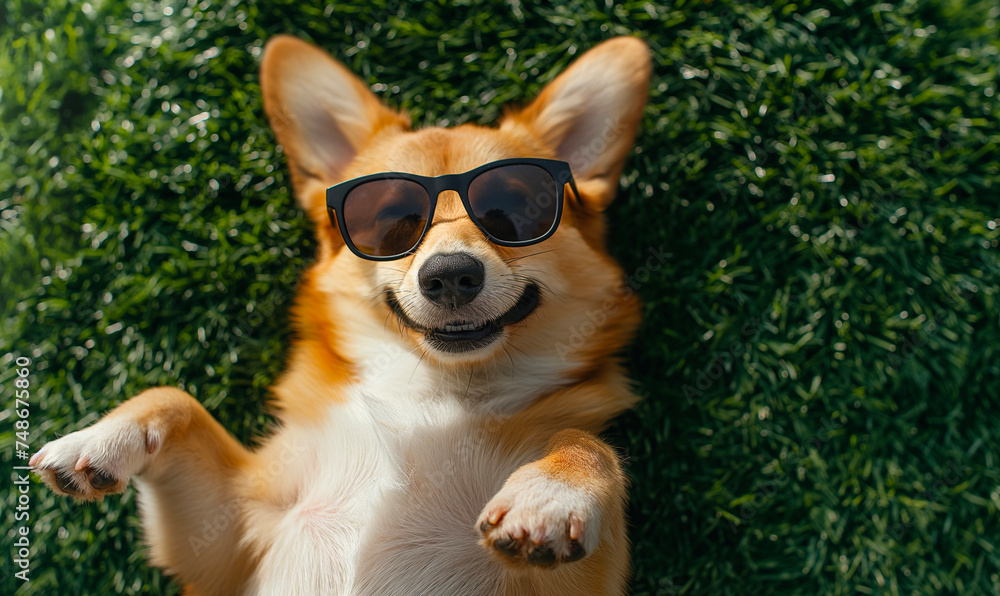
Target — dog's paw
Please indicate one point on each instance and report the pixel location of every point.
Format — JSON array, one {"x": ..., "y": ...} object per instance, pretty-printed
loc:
[
  {"x": 538, "y": 520},
  {"x": 96, "y": 461}
]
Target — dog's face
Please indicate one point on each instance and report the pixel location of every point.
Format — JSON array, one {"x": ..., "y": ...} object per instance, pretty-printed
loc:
[{"x": 459, "y": 297}]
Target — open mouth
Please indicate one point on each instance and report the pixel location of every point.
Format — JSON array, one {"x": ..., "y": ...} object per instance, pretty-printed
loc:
[{"x": 463, "y": 336}]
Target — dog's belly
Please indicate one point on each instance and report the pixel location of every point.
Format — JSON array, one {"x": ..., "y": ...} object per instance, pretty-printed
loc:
[{"x": 385, "y": 502}]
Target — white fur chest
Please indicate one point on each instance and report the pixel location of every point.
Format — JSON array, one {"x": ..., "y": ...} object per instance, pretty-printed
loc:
[{"x": 386, "y": 493}]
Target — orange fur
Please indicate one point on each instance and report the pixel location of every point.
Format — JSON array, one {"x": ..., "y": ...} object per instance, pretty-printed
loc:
[{"x": 520, "y": 447}]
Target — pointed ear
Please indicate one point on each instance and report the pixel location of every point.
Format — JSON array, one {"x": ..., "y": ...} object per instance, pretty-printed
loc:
[
  {"x": 589, "y": 115},
  {"x": 321, "y": 114}
]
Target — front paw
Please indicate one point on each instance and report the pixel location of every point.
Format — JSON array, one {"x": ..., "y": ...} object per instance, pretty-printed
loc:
[
  {"x": 536, "y": 519},
  {"x": 96, "y": 461}
]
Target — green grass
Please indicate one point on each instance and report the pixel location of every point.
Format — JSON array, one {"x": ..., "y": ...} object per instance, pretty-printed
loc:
[{"x": 821, "y": 350}]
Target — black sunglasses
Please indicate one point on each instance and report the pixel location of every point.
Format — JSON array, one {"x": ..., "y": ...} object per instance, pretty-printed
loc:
[{"x": 515, "y": 202}]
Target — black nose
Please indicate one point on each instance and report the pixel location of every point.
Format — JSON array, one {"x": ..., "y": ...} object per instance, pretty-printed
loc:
[{"x": 451, "y": 280}]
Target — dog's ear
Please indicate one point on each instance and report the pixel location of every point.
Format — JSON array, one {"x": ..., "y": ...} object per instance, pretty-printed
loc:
[
  {"x": 321, "y": 114},
  {"x": 589, "y": 115}
]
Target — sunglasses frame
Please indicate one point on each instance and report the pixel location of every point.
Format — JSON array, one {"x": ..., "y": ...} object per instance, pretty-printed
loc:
[{"x": 560, "y": 171}]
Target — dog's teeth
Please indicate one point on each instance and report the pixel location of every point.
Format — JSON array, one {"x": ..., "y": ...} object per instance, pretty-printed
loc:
[{"x": 453, "y": 328}]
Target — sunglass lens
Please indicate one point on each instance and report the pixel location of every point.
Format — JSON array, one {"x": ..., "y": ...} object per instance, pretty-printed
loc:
[
  {"x": 515, "y": 203},
  {"x": 385, "y": 218}
]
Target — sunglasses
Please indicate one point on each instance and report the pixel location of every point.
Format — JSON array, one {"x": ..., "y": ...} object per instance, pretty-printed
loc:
[{"x": 515, "y": 202}]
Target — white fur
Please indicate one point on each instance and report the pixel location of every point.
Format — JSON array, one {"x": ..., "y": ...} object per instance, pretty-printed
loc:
[
  {"x": 311, "y": 545},
  {"x": 115, "y": 446},
  {"x": 538, "y": 507},
  {"x": 379, "y": 478}
]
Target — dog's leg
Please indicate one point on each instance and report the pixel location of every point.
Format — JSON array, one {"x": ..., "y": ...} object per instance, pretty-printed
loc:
[
  {"x": 562, "y": 508},
  {"x": 188, "y": 472}
]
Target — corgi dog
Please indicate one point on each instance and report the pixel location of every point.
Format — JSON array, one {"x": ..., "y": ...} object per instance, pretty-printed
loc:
[{"x": 454, "y": 360}]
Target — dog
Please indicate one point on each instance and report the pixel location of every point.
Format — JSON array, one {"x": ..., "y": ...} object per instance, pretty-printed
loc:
[{"x": 455, "y": 356}]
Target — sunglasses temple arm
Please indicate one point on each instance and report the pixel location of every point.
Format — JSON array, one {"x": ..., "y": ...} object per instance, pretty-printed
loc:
[{"x": 576, "y": 193}]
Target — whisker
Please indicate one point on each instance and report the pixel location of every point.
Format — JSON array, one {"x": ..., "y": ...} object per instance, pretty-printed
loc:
[
  {"x": 518, "y": 349},
  {"x": 419, "y": 360},
  {"x": 540, "y": 283},
  {"x": 472, "y": 371},
  {"x": 511, "y": 360},
  {"x": 541, "y": 252},
  {"x": 386, "y": 322},
  {"x": 387, "y": 288},
  {"x": 486, "y": 376}
]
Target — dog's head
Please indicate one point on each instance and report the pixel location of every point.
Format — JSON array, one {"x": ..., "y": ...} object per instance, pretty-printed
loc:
[{"x": 458, "y": 297}]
